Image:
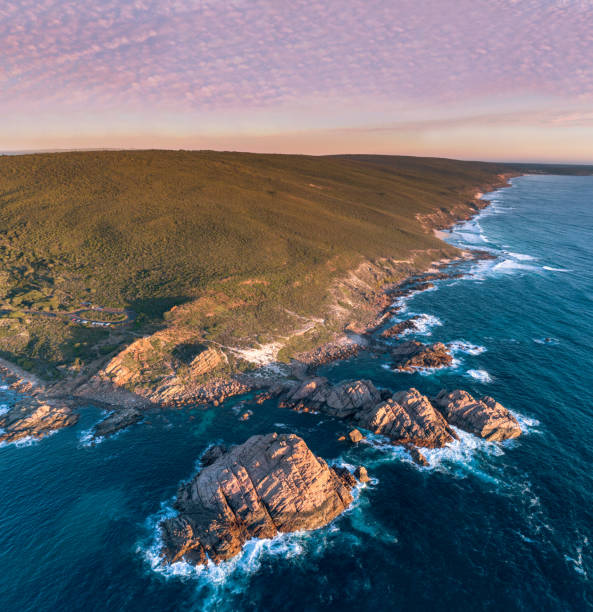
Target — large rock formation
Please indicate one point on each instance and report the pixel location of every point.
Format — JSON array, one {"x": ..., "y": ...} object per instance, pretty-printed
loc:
[
  {"x": 485, "y": 417},
  {"x": 406, "y": 418},
  {"x": 342, "y": 400},
  {"x": 267, "y": 485},
  {"x": 205, "y": 362},
  {"x": 414, "y": 355},
  {"x": 34, "y": 419},
  {"x": 169, "y": 367}
]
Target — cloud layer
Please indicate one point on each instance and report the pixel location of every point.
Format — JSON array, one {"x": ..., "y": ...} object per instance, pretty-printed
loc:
[
  {"x": 204, "y": 56},
  {"x": 187, "y": 54}
]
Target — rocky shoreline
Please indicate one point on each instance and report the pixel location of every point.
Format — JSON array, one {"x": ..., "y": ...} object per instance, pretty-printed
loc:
[
  {"x": 59, "y": 401},
  {"x": 273, "y": 484},
  {"x": 34, "y": 415}
]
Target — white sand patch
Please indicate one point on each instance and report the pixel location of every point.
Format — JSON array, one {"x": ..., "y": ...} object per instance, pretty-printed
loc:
[{"x": 262, "y": 355}]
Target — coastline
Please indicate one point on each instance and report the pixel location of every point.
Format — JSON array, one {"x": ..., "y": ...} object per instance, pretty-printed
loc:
[
  {"x": 113, "y": 494},
  {"x": 374, "y": 285}
]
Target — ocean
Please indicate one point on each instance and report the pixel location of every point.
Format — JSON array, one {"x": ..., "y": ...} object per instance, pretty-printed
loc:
[{"x": 486, "y": 527}]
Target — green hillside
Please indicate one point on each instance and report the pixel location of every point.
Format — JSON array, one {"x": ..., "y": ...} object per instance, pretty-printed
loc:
[{"x": 147, "y": 230}]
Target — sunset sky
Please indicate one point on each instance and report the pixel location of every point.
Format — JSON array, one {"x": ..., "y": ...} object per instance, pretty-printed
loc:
[{"x": 487, "y": 79}]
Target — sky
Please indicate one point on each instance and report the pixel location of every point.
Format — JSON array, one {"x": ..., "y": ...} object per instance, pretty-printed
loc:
[{"x": 471, "y": 79}]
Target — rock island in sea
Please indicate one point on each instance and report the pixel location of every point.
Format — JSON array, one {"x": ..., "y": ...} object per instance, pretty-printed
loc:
[{"x": 270, "y": 484}]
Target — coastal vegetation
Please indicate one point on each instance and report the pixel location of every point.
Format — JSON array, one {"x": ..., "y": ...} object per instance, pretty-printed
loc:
[{"x": 237, "y": 247}]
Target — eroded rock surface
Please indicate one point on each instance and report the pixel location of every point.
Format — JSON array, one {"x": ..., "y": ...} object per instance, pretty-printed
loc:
[
  {"x": 269, "y": 484},
  {"x": 342, "y": 400},
  {"x": 169, "y": 368},
  {"x": 115, "y": 421},
  {"x": 414, "y": 355},
  {"x": 407, "y": 417},
  {"x": 35, "y": 419},
  {"x": 485, "y": 417}
]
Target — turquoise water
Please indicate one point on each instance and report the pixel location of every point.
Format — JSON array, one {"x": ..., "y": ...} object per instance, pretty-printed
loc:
[{"x": 486, "y": 527}]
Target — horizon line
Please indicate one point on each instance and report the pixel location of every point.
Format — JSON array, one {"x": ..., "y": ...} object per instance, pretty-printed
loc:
[{"x": 15, "y": 152}]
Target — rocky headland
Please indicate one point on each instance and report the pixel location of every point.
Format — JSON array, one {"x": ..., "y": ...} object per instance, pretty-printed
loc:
[
  {"x": 34, "y": 415},
  {"x": 268, "y": 485}
]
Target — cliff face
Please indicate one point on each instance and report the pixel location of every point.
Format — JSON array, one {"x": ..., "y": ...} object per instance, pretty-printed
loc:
[
  {"x": 269, "y": 484},
  {"x": 161, "y": 366}
]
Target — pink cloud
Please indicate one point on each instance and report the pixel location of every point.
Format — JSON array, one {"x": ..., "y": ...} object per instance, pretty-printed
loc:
[{"x": 210, "y": 54}]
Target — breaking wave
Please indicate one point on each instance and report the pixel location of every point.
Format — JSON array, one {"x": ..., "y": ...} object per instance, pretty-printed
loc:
[
  {"x": 509, "y": 266},
  {"x": 551, "y": 269},
  {"x": 423, "y": 325},
  {"x": 480, "y": 375},
  {"x": 461, "y": 346}
]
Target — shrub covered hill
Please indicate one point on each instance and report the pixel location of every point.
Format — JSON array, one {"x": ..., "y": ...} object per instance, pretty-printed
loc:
[{"x": 205, "y": 249}]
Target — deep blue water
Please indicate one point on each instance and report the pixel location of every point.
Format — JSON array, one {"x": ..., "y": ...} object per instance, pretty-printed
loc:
[{"x": 486, "y": 527}]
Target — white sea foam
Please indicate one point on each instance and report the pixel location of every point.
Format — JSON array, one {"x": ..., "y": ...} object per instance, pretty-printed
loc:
[
  {"x": 510, "y": 266},
  {"x": 455, "y": 363},
  {"x": 87, "y": 439},
  {"x": 423, "y": 325},
  {"x": 3, "y": 387},
  {"x": 528, "y": 425},
  {"x": 576, "y": 559},
  {"x": 214, "y": 582},
  {"x": 23, "y": 442},
  {"x": 245, "y": 563},
  {"x": 480, "y": 375},
  {"x": 482, "y": 270},
  {"x": 388, "y": 451},
  {"x": 489, "y": 268},
  {"x": 470, "y": 232},
  {"x": 521, "y": 256},
  {"x": 461, "y": 346},
  {"x": 556, "y": 269},
  {"x": 402, "y": 301},
  {"x": 461, "y": 458},
  {"x": 4, "y": 409}
]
